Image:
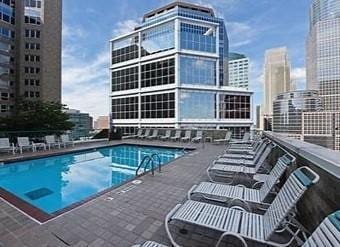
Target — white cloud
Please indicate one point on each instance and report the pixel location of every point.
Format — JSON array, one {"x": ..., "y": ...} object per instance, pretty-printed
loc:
[
  {"x": 241, "y": 34},
  {"x": 298, "y": 74},
  {"x": 126, "y": 26}
]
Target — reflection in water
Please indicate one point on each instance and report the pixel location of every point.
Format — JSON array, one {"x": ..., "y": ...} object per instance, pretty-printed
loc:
[{"x": 75, "y": 177}]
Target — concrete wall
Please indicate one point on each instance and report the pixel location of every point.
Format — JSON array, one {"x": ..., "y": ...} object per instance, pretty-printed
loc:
[{"x": 324, "y": 197}]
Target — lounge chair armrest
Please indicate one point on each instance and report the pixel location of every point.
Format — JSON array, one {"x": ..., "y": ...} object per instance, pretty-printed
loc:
[
  {"x": 241, "y": 185},
  {"x": 225, "y": 234},
  {"x": 239, "y": 208},
  {"x": 257, "y": 183},
  {"x": 190, "y": 192}
]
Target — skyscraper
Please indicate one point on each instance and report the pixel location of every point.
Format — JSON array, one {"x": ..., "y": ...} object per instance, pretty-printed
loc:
[
  {"x": 238, "y": 70},
  {"x": 172, "y": 71},
  {"x": 276, "y": 78},
  {"x": 323, "y": 52},
  {"x": 30, "y": 51}
]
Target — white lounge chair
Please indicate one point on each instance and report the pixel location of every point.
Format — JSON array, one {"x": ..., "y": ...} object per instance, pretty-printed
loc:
[
  {"x": 65, "y": 140},
  {"x": 243, "y": 155},
  {"x": 232, "y": 171},
  {"x": 248, "y": 196},
  {"x": 139, "y": 133},
  {"x": 154, "y": 135},
  {"x": 146, "y": 134},
  {"x": 187, "y": 136},
  {"x": 198, "y": 137},
  {"x": 243, "y": 161},
  {"x": 51, "y": 142},
  {"x": 6, "y": 146},
  {"x": 166, "y": 136},
  {"x": 226, "y": 139},
  {"x": 245, "y": 140},
  {"x": 243, "y": 225},
  {"x": 177, "y": 136},
  {"x": 150, "y": 244},
  {"x": 24, "y": 143},
  {"x": 327, "y": 234}
]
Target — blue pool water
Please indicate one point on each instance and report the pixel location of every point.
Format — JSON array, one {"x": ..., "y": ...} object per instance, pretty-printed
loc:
[{"x": 54, "y": 183}]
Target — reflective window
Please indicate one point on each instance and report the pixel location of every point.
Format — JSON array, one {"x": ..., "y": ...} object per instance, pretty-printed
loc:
[
  {"x": 4, "y": 71},
  {"x": 158, "y": 39},
  {"x": 125, "y": 49},
  {"x": 158, "y": 73},
  {"x": 197, "y": 105},
  {"x": 6, "y": 33},
  {"x": 5, "y": 46},
  {"x": 125, "y": 79},
  {"x": 7, "y": 13},
  {"x": 125, "y": 108},
  {"x": 158, "y": 106},
  {"x": 198, "y": 38},
  {"x": 33, "y": 12},
  {"x": 234, "y": 107},
  {"x": 196, "y": 70},
  {"x": 4, "y": 59}
]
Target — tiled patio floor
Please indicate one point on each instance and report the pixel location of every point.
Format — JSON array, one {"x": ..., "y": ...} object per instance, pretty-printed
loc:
[{"x": 135, "y": 214}]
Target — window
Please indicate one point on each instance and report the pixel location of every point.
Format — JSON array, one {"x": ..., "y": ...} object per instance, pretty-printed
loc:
[
  {"x": 5, "y": 46},
  {"x": 158, "y": 39},
  {"x": 234, "y": 107},
  {"x": 6, "y": 33},
  {"x": 198, "y": 38},
  {"x": 4, "y": 96},
  {"x": 196, "y": 70},
  {"x": 125, "y": 108},
  {"x": 191, "y": 101},
  {"x": 125, "y": 79},
  {"x": 7, "y": 13},
  {"x": 158, "y": 73},
  {"x": 31, "y": 33},
  {"x": 125, "y": 49},
  {"x": 5, "y": 59},
  {"x": 158, "y": 106}
]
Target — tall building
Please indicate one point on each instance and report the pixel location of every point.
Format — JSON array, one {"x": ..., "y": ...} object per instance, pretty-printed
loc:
[
  {"x": 30, "y": 51},
  {"x": 276, "y": 77},
  {"x": 172, "y": 71},
  {"x": 238, "y": 70},
  {"x": 323, "y": 52},
  {"x": 83, "y": 124},
  {"x": 288, "y": 109},
  {"x": 323, "y": 73}
]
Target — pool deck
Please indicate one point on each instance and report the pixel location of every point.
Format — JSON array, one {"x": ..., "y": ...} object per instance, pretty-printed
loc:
[{"x": 127, "y": 215}]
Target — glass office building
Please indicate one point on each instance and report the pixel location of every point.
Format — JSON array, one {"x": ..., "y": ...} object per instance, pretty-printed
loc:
[
  {"x": 289, "y": 107},
  {"x": 172, "y": 71}
]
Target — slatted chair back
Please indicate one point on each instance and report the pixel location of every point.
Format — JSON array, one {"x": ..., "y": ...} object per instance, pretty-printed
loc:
[
  {"x": 327, "y": 234},
  {"x": 4, "y": 143},
  {"x": 260, "y": 151},
  {"x": 280, "y": 167},
  {"x": 23, "y": 141},
  {"x": 168, "y": 133},
  {"x": 268, "y": 149},
  {"x": 227, "y": 136},
  {"x": 178, "y": 134},
  {"x": 65, "y": 138},
  {"x": 246, "y": 137},
  {"x": 147, "y": 132},
  {"x": 199, "y": 134},
  {"x": 187, "y": 134},
  {"x": 139, "y": 132},
  {"x": 296, "y": 185},
  {"x": 155, "y": 133},
  {"x": 50, "y": 139}
]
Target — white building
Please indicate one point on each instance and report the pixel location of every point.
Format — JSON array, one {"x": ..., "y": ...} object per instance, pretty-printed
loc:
[
  {"x": 238, "y": 70},
  {"x": 172, "y": 71}
]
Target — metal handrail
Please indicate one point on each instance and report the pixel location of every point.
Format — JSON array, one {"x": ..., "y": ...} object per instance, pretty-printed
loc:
[
  {"x": 142, "y": 162},
  {"x": 159, "y": 161}
]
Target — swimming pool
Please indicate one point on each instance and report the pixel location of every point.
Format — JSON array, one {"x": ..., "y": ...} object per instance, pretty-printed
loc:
[{"x": 54, "y": 183}]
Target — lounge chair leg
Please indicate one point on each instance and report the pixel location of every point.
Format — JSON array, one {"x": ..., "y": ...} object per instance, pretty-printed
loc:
[{"x": 231, "y": 234}]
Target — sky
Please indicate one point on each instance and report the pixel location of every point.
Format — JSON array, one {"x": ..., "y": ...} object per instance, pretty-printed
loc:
[{"x": 252, "y": 25}]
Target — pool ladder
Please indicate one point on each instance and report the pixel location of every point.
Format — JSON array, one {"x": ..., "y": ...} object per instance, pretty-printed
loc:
[{"x": 146, "y": 161}]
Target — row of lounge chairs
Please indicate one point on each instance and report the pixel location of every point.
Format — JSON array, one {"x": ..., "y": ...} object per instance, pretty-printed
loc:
[
  {"x": 233, "y": 209},
  {"x": 147, "y": 135},
  {"x": 23, "y": 143}
]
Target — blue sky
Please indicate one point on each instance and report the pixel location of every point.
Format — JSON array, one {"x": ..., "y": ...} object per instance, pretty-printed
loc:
[{"x": 253, "y": 26}]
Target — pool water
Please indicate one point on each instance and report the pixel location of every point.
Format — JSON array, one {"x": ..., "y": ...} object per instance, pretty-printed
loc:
[{"x": 54, "y": 183}]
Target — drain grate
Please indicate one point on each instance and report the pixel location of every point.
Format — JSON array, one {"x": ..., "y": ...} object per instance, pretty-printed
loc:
[{"x": 39, "y": 193}]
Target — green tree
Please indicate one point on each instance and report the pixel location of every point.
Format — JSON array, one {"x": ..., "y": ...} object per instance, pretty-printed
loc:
[{"x": 37, "y": 116}]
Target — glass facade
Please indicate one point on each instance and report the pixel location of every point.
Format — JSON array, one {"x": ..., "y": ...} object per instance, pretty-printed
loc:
[
  {"x": 234, "y": 106},
  {"x": 289, "y": 107},
  {"x": 7, "y": 12},
  {"x": 158, "y": 73},
  {"x": 198, "y": 38},
  {"x": 158, "y": 39},
  {"x": 197, "y": 105},
  {"x": 125, "y": 49},
  {"x": 197, "y": 71},
  {"x": 125, "y": 108},
  {"x": 158, "y": 106},
  {"x": 125, "y": 79}
]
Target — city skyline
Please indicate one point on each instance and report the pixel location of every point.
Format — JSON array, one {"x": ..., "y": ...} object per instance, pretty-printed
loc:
[{"x": 248, "y": 30}]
